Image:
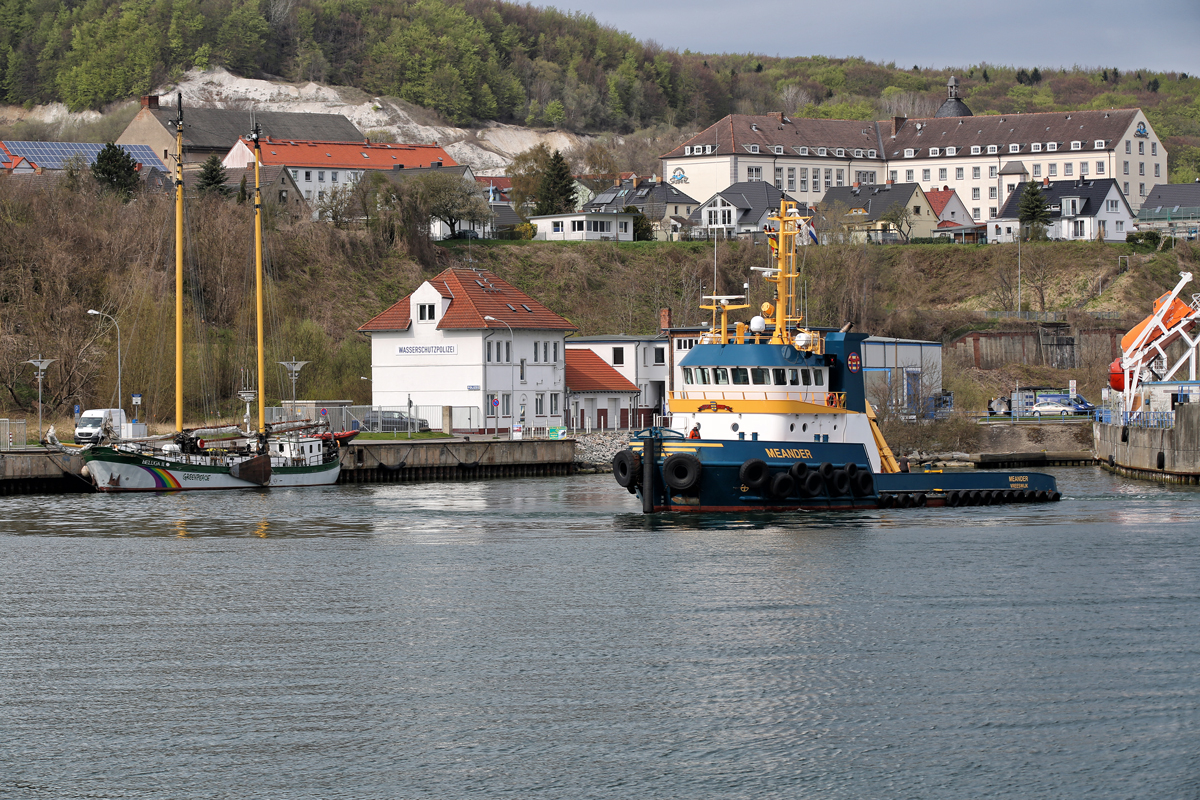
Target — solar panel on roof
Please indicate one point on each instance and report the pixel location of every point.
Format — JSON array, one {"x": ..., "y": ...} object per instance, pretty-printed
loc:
[
  {"x": 606, "y": 196},
  {"x": 54, "y": 155}
]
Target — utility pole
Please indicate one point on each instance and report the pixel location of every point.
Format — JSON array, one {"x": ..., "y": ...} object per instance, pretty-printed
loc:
[
  {"x": 41, "y": 364},
  {"x": 293, "y": 367}
]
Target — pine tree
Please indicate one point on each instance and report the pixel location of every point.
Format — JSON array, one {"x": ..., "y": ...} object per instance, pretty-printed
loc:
[
  {"x": 116, "y": 171},
  {"x": 556, "y": 192},
  {"x": 212, "y": 178},
  {"x": 241, "y": 195},
  {"x": 1033, "y": 210}
]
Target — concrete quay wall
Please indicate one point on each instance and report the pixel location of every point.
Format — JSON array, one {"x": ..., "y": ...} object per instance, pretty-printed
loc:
[
  {"x": 1167, "y": 455},
  {"x": 436, "y": 460},
  {"x": 37, "y": 471}
]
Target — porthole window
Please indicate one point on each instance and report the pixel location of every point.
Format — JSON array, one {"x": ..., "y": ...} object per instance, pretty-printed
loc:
[
  {"x": 792, "y": 427},
  {"x": 733, "y": 427},
  {"x": 804, "y": 427}
]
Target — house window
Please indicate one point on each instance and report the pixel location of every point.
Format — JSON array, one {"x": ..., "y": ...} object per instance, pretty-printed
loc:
[
  {"x": 1154, "y": 148},
  {"x": 1051, "y": 147},
  {"x": 555, "y": 351},
  {"x": 975, "y": 212},
  {"x": 1142, "y": 189},
  {"x": 1036, "y": 147},
  {"x": 858, "y": 154},
  {"x": 521, "y": 371},
  {"x": 283, "y": 196},
  {"x": 909, "y": 152},
  {"x": 958, "y": 173},
  {"x": 623, "y": 226},
  {"x": 308, "y": 175},
  {"x": 791, "y": 184},
  {"x": 934, "y": 151},
  {"x": 1157, "y": 173},
  {"x": 925, "y": 175},
  {"x": 778, "y": 149},
  {"x": 802, "y": 151},
  {"x": 992, "y": 191},
  {"x": 333, "y": 176},
  {"x": 1068, "y": 169},
  {"x": 618, "y": 356},
  {"x": 1011, "y": 186},
  {"x": 537, "y": 352},
  {"x": 1128, "y": 146},
  {"x": 489, "y": 352},
  {"x": 1051, "y": 170},
  {"x": 1141, "y": 148},
  {"x": 539, "y": 404},
  {"x": 1099, "y": 167},
  {"x": 754, "y": 173},
  {"x": 779, "y": 178},
  {"x": 753, "y": 148},
  {"x": 506, "y": 405},
  {"x": 975, "y": 150},
  {"x": 1120, "y": 226},
  {"x": 1014, "y": 148},
  {"x": 507, "y": 352},
  {"x": 840, "y": 180},
  {"x": 942, "y": 174},
  {"x": 1037, "y": 170},
  {"x": 916, "y": 211},
  {"x": 992, "y": 212},
  {"x": 865, "y": 177},
  {"x": 557, "y": 226},
  {"x": 295, "y": 174},
  {"x": 893, "y": 175},
  {"x": 1079, "y": 227},
  {"x": 1125, "y": 167},
  {"x": 1083, "y": 168},
  {"x": 991, "y": 172},
  {"x": 1125, "y": 189},
  {"x": 975, "y": 193},
  {"x": 975, "y": 173},
  {"x": 870, "y": 154},
  {"x": 576, "y": 226},
  {"x": 1076, "y": 145},
  {"x": 804, "y": 179},
  {"x": 320, "y": 196},
  {"x": 821, "y": 151},
  {"x": 840, "y": 153},
  {"x": 1141, "y": 166},
  {"x": 308, "y": 194},
  {"x": 1111, "y": 205},
  {"x": 908, "y": 176},
  {"x": 660, "y": 355},
  {"x": 1099, "y": 144},
  {"x": 993, "y": 149},
  {"x": 320, "y": 176},
  {"x": 553, "y": 403}
]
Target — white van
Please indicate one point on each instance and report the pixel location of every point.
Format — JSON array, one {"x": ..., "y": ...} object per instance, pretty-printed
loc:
[{"x": 87, "y": 430}]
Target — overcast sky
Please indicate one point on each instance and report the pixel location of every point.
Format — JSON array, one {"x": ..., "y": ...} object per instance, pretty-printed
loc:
[{"x": 1159, "y": 35}]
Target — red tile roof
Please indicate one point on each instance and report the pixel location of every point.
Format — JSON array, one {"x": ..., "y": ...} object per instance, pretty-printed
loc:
[
  {"x": 938, "y": 199},
  {"x": 588, "y": 372},
  {"x": 495, "y": 180},
  {"x": 475, "y": 294},
  {"x": 350, "y": 155}
]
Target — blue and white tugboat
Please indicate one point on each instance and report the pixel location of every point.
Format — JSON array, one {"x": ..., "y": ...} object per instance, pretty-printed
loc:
[{"x": 775, "y": 418}]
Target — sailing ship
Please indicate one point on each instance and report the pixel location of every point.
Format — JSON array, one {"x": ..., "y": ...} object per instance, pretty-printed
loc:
[
  {"x": 780, "y": 421},
  {"x": 293, "y": 453}
]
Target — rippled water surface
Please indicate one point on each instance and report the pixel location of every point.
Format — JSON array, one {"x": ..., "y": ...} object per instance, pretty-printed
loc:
[{"x": 541, "y": 638}]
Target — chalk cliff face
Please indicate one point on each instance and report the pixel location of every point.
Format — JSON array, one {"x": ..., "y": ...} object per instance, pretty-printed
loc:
[{"x": 488, "y": 149}]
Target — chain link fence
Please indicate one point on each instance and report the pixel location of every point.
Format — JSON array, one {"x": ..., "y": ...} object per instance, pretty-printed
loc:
[{"x": 13, "y": 435}]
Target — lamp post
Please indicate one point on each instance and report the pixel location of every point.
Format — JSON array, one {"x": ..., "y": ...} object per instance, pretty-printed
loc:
[
  {"x": 293, "y": 367},
  {"x": 512, "y": 385},
  {"x": 41, "y": 364},
  {"x": 95, "y": 313}
]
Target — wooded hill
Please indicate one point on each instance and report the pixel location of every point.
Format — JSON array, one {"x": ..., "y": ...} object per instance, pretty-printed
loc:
[
  {"x": 69, "y": 248},
  {"x": 473, "y": 60}
]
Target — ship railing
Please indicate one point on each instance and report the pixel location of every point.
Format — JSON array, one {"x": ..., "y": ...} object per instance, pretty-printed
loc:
[
  {"x": 1148, "y": 419},
  {"x": 821, "y": 398}
]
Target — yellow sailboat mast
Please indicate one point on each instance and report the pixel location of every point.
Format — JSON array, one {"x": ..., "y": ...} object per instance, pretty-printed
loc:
[
  {"x": 786, "y": 308},
  {"x": 258, "y": 277},
  {"x": 179, "y": 266}
]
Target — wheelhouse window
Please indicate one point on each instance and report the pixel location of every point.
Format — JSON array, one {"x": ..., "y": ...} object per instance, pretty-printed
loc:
[
  {"x": 687, "y": 375},
  {"x": 806, "y": 376},
  {"x": 780, "y": 376},
  {"x": 741, "y": 376},
  {"x": 702, "y": 375},
  {"x": 760, "y": 376},
  {"x": 720, "y": 376},
  {"x": 793, "y": 377},
  {"x": 819, "y": 377}
]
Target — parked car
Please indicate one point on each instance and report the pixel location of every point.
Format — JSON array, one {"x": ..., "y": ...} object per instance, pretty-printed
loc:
[
  {"x": 466, "y": 233},
  {"x": 392, "y": 422},
  {"x": 1076, "y": 403},
  {"x": 1044, "y": 408}
]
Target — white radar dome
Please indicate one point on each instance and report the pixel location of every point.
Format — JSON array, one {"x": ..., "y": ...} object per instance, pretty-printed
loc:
[{"x": 758, "y": 324}]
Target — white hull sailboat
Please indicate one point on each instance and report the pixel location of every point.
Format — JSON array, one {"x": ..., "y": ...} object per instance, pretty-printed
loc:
[{"x": 286, "y": 454}]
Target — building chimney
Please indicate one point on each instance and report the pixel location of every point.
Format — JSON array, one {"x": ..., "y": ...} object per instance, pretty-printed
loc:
[
  {"x": 888, "y": 182},
  {"x": 897, "y": 124},
  {"x": 664, "y": 319},
  {"x": 150, "y": 101},
  {"x": 854, "y": 185},
  {"x": 777, "y": 116},
  {"x": 1045, "y": 182},
  {"x": 636, "y": 181}
]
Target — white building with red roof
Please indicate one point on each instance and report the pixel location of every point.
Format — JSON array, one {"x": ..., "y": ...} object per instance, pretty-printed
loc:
[
  {"x": 319, "y": 167},
  {"x": 955, "y": 220},
  {"x": 468, "y": 339},
  {"x": 598, "y": 396}
]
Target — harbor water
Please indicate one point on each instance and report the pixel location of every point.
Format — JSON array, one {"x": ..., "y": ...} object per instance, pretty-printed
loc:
[{"x": 541, "y": 638}]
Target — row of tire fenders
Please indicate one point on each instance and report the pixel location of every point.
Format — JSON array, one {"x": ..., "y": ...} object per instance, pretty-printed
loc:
[{"x": 681, "y": 472}]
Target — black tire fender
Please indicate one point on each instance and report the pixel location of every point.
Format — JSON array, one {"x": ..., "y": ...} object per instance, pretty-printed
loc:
[
  {"x": 681, "y": 471},
  {"x": 862, "y": 483},
  {"x": 783, "y": 484},
  {"x": 754, "y": 474},
  {"x": 627, "y": 468},
  {"x": 798, "y": 471},
  {"x": 826, "y": 470},
  {"x": 811, "y": 484},
  {"x": 838, "y": 483}
]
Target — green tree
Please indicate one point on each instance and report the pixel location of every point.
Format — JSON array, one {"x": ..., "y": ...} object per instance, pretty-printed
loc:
[
  {"x": 556, "y": 192},
  {"x": 1032, "y": 209},
  {"x": 643, "y": 229},
  {"x": 116, "y": 171},
  {"x": 211, "y": 179},
  {"x": 526, "y": 171},
  {"x": 452, "y": 198},
  {"x": 900, "y": 216}
]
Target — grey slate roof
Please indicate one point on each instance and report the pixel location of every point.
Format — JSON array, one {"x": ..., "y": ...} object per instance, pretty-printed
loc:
[
  {"x": 503, "y": 215},
  {"x": 1171, "y": 201},
  {"x": 1091, "y": 193},
  {"x": 953, "y": 107},
  {"x": 218, "y": 129},
  {"x": 1062, "y": 127},
  {"x": 875, "y": 199},
  {"x": 752, "y": 198},
  {"x": 649, "y": 197}
]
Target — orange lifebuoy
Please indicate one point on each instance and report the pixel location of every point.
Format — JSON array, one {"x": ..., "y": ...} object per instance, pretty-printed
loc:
[{"x": 831, "y": 400}]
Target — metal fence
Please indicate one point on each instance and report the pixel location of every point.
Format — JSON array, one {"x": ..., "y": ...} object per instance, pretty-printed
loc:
[
  {"x": 1049, "y": 316},
  {"x": 13, "y": 434}
]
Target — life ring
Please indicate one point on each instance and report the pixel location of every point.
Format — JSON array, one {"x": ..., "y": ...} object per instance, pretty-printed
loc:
[
  {"x": 681, "y": 471},
  {"x": 831, "y": 400},
  {"x": 754, "y": 474},
  {"x": 627, "y": 467}
]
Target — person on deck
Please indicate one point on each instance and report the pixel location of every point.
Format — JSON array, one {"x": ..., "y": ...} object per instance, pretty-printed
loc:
[{"x": 695, "y": 434}]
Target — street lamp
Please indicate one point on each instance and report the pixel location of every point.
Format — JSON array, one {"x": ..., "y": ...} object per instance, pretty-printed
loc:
[
  {"x": 95, "y": 313},
  {"x": 512, "y": 385},
  {"x": 293, "y": 367},
  {"x": 41, "y": 364}
]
